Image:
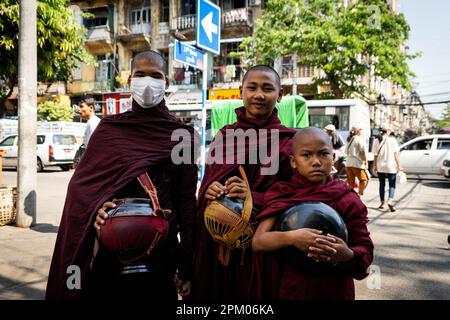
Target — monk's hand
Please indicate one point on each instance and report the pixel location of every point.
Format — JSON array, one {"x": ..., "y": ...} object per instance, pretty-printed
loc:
[
  {"x": 236, "y": 188},
  {"x": 101, "y": 217},
  {"x": 183, "y": 287},
  {"x": 303, "y": 238},
  {"x": 215, "y": 190},
  {"x": 329, "y": 248}
]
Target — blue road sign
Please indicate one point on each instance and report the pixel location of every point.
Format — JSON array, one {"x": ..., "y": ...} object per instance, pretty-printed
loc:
[
  {"x": 208, "y": 26},
  {"x": 188, "y": 55}
]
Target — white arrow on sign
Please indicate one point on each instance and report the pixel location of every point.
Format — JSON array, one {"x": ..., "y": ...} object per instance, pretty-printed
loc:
[{"x": 209, "y": 26}]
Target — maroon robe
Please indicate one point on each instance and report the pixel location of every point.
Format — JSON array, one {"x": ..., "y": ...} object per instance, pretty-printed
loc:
[
  {"x": 337, "y": 282},
  {"x": 212, "y": 280},
  {"x": 121, "y": 148}
]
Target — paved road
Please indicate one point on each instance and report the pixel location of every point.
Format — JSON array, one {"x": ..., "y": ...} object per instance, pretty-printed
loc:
[{"x": 412, "y": 256}]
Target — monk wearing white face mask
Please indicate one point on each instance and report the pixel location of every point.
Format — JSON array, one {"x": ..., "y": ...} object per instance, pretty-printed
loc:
[
  {"x": 124, "y": 147},
  {"x": 147, "y": 91}
]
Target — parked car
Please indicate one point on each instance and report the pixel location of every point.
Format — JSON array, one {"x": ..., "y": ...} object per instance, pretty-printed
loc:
[
  {"x": 53, "y": 149},
  {"x": 425, "y": 155},
  {"x": 445, "y": 169}
]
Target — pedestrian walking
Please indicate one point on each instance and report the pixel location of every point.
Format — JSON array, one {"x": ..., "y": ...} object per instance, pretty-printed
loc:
[
  {"x": 356, "y": 165},
  {"x": 338, "y": 149},
  {"x": 87, "y": 112},
  {"x": 386, "y": 164}
]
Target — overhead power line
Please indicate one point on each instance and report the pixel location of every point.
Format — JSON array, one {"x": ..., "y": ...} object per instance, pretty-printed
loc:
[{"x": 409, "y": 104}]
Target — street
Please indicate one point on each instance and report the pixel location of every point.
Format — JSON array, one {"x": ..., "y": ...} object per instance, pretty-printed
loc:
[{"x": 412, "y": 256}]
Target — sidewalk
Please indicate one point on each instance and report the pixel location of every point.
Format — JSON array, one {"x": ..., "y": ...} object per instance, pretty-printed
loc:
[{"x": 25, "y": 254}]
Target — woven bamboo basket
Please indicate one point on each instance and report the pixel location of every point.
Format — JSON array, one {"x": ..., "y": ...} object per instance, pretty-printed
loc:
[{"x": 8, "y": 199}]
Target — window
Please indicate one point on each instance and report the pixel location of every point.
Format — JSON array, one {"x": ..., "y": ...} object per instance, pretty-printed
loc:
[
  {"x": 100, "y": 18},
  {"x": 8, "y": 142},
  {"x": 164, "y": 12},
  {"x": 443, "y": 144},
  {"x": 319, "y": 118},
  {"x": 64, "y": 139},
  {"x": 287, "y": 67},
  {"x": 227, "y": 68},
  {"x": 102, "y": 70},
  {"x": 232, "y": 4},
  {"x": 40, "y": 139},
  {"x": 140, "y": 15},
  {"x": 188, "y": 7},
  {"x": 420, "y": 145}
]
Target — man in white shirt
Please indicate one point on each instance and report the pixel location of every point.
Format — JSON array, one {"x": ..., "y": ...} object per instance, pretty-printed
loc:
[
  {"x": 386, "y": 164},
  {"x": 87, "y": 112},
  {"x": 356, "y": 160}
]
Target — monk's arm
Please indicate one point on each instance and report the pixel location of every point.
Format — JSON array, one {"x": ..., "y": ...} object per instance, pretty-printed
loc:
[
  {"x": 186, "y": 215},
  {"x": 359, "y": 240},
  {"x": 265, "y": 239}
]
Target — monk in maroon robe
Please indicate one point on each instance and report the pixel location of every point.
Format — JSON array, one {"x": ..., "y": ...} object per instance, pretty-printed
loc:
[
  {"x": 312, "y": 158},
  {"x": 123, "y": 147},
  {"x": 260, "y": 91}
]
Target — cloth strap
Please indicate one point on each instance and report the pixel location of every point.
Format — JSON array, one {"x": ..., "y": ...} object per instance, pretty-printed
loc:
[{"x": 150, "y": 188}]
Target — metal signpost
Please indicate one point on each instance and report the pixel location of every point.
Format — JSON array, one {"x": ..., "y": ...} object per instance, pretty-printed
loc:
[
  {"x": 208, "y": 23},
  {"x": 208, "y": 38}
]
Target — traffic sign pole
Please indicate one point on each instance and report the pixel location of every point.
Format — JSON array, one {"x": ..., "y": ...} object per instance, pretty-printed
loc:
[
  {"x": 204, "y": 91},
  {"x": 207, "y": 38}
]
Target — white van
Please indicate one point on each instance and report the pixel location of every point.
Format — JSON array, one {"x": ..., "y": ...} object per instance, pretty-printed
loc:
[{"x": 52, "y": 149}]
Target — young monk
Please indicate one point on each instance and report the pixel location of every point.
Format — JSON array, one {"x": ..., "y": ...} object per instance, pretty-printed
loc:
[
  {"x": 312, "y": 160},
  {"x": 260, "y": 91}
]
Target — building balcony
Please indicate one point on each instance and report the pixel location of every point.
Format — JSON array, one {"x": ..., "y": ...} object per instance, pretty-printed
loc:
[
  {"x": 136, "y": 36},
  {"x": 184, "y": 23},
  {"x": 304, "y": 74},
  {"x": 100, "y": 33},
  {"x": 237, "y": 17},
  {"x": 98, "y": 40},
  {"x": 232, "y": 18}
]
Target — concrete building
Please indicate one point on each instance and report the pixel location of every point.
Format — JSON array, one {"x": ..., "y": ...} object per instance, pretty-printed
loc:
[{"x": 118, "y": 30}]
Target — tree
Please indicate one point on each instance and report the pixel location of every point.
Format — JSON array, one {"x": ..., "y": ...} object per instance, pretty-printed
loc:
[
  {"x": 54, "y": 111},
  {"x": 346, "y": 43},
  {"x": 60, "y": 43},
  {"x": 445, "y": 121}
]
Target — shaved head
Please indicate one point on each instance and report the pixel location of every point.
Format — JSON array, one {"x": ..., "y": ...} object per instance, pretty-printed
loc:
[
  {"x": 153, "y": 56},
  {"x": 263, "y": 68},
  {"x": 312, "y": 154},
  {"x": 310, "y": 134}
]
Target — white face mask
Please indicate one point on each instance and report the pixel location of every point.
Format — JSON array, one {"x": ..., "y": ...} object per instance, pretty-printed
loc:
[{"x": 147, "y": 91}]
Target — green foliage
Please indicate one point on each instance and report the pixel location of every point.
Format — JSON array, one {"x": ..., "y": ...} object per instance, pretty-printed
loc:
[
  {"x": 59, "y": 42},
  {"x": 346, "y": 43},
  {"x": 53, "y": 111},
  {"x": 445, "y": 122}
]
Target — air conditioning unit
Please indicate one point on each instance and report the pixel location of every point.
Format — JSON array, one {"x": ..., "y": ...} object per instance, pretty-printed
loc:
[{"x": 252, "y": 3}]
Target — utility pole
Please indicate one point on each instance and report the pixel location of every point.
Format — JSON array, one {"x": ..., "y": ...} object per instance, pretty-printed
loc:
[
  {"x": 26, "y": 170},
  {"x": 295, "y": 58},
  {"x": 294, "y": 77}
]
